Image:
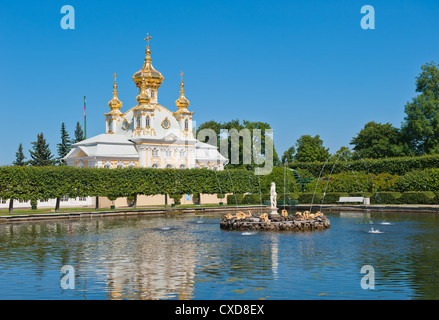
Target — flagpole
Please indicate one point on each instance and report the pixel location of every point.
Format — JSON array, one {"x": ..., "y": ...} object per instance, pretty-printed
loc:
[{"x": 85, "y": 122}]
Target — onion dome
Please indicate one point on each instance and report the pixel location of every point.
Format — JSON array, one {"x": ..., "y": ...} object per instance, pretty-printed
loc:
[
  {"x": 143, "y": 97},
  {"x": 182, "y": 103},
  {"x": 152, "y": 77},
  {"x": 115, "y": 104}
]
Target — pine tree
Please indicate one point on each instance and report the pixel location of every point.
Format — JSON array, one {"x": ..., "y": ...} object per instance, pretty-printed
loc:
[
  {"x": 19, "y": 155},
  {"x": 65, "y": 145},
  {"x": 41, "y": 154},
  {"x": 79, "y": 134}
]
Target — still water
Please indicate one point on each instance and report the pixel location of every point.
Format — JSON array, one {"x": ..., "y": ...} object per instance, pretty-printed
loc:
[{"x": 190, "y": 257}]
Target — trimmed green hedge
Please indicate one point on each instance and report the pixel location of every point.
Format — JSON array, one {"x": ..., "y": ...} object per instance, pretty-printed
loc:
[
  {"x": 332, "y": 197},
  {"x": 385, "y": 198},
  {"x": 307, "y": 197},
  {"x": 418, "y": 197},
  {"x": 398, "y": 165},
  {"x": 288, "y": 196}
]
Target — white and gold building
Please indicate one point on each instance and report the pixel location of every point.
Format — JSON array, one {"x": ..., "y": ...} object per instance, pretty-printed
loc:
[{"x": 148, "y": 135}]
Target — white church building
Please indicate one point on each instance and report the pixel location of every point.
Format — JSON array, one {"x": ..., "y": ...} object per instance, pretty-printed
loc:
[{"x": 148, "y": 135}]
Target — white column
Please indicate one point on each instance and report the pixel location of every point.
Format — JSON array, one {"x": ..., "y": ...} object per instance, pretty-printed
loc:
[{"x": 142, "y": 159}]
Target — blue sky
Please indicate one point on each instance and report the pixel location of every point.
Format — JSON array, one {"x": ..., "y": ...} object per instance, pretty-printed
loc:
[{"x": 305, "y": 67}]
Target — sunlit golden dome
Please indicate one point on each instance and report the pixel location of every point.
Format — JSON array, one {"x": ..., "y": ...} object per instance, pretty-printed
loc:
[
  {"x": 115, "y": 104},
  {"x": 143, "y": 97},
  {"x": 182, "y": 103},
  {"x": 151, "y": 76}
]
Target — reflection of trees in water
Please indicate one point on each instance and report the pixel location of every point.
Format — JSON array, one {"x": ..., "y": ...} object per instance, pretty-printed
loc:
[
  {"x": 136, "y": 262},
  {"x": 423, "y": 259}
]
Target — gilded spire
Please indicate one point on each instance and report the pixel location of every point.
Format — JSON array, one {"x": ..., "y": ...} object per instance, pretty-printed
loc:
[
  {"x": 182, "y": 102},
  {"x": 115, "y": 103},
  {"x": 147, "y": 51}
]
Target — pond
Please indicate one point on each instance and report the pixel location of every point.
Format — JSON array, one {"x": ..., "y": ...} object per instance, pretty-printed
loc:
[{"x": 190, "y": 257}]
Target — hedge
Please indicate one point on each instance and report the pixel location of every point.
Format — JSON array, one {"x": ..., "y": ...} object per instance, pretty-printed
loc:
[
  {"x": 307, "y": 197},
  {"x": 385, "y": 198},
  {"x": 410, "y": 197},
  {"x": 34, "y": 183},
  {"x": 418, "y": 180},
  {"x": 333, "y": 197},
  {"x": 418, "y": 197},
  {"x": 354, "y": 182},
  {"x": 397, "y": 165}
]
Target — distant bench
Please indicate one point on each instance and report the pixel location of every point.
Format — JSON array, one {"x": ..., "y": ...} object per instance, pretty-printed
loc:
[{"x": 351, "y": 199}]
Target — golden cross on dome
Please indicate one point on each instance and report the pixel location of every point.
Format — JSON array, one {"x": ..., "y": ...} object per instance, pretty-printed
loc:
[
  {"x": 114, "y": 76},
  {"x": 181, "y": 75},
  {"x": 147, "y": 39}
]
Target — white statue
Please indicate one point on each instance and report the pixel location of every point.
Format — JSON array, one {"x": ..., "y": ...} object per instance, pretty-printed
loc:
[{"x": 273, "y": 195}]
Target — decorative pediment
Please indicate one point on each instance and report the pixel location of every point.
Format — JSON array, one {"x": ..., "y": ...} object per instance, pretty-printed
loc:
[{"x": 171, "y": 137}]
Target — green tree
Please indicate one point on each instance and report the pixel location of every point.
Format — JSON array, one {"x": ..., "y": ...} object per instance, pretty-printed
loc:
[
  {"x": 19, "y": 157},
  {"x": 420, "y": 129},
  {"x": 343, "y": 154},
  {"x": 310, "y": 149},
  {"x": 65, "y": 145},
  {"x": 239, "y": 126},
  {"x": 41, "y": 154},
  {"x": 79, "y": 134},
  {"x": 288, "y": 155},
  {"x": 378, "y": 140},
  {"x": 428, "y": 80}
]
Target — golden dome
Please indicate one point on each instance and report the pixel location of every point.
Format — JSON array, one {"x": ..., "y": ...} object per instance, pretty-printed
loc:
[
  {"x": 143, "y": 97},
  {"x": 115, "y": 104},
  {"x": 182, "y": 103},
  {"x": 152, "y": 77}
]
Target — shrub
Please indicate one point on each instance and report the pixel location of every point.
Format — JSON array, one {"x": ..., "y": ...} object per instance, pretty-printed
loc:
[
  {"x": 418, "y": 197},
  {"x": 361, "y": 194},
  {"x": 397, "y": 165},
  {"x": 418, "y": 180},
  {"x": 333, "y": 197},
  {"x": 231, "y": 199},
  {"x": 288, "y": 196},
  {"x": 343, "y": 182},
  {"x": 385, "y": 198},
  {"x": 251, "y": 198},
  {"x": 176, "y": 197},
  {"x": 307, "y": 197}
]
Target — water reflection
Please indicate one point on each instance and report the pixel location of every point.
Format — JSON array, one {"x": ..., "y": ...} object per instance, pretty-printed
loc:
[{"x": 189, "y": 257}]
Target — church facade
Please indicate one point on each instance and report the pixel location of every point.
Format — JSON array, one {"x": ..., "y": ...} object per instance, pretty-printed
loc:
[{"x": 148, "y": 135}]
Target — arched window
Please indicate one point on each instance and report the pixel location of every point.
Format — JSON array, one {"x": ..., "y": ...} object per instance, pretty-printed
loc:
[
  {"x": 138, "y": 121},
  {"x": 155, "y": 165},
  {"x": 152, "y": 93},
  {"x": 155, "y": 153},
  {"x": 182, "y": 166},
  {"x": 169, "y": 166},
  {"x": 168, "y": 153},
  {"x": 186, "y": 124},
  {"x": 147, "y": 121},
  {"x": 110, "y": 126}
]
